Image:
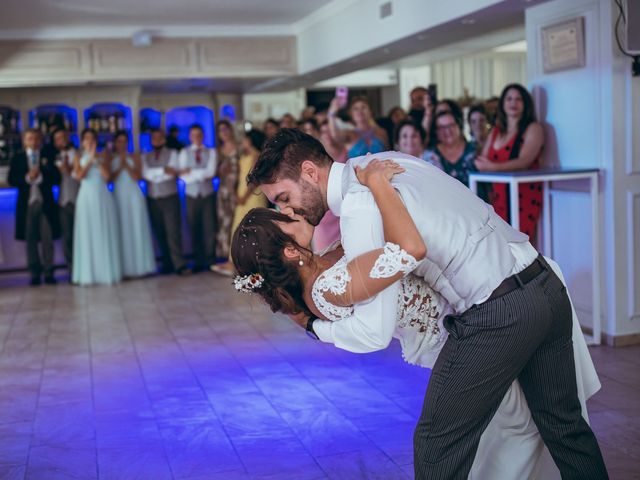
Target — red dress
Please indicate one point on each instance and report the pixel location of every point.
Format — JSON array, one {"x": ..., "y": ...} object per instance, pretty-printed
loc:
[{"x": 530, "y": 194}]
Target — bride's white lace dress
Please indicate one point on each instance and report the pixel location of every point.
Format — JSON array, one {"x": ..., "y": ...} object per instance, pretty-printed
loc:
[{"x": 511, "y": 447}]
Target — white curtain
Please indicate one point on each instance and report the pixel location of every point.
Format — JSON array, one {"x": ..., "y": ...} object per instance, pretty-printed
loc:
[{"x": 483, "y": 76}]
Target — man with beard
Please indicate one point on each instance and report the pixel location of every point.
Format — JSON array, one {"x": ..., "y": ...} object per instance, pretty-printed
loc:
[{"x": 512, "y": 315}]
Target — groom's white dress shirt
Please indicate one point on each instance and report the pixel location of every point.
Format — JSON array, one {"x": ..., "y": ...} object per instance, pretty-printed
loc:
[{"x": 470, "y": 249}]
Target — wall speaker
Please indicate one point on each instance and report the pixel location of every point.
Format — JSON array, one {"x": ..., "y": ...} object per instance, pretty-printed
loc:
[{"x": 632, "y": 35}]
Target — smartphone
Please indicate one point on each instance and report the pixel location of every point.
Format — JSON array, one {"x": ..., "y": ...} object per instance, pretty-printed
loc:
[{"x": 342, "y": 94}]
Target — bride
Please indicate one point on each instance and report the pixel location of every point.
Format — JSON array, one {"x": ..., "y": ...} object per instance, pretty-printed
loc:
[{"x": 271, "y": 253}]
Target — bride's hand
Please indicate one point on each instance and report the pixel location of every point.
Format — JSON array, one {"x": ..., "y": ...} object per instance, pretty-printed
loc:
[{"x": 377, "y": 170}]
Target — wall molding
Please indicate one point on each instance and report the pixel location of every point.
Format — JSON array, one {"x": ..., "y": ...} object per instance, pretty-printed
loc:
[
  {"x": 165, "y": 31},
  {"x": 78, "y": 62},
  {"x": 633, "y": 122},
  {"x": 633, "y": 267},
  {"x": 21, "y": 60},
  {"x": 616, "y": 340}
]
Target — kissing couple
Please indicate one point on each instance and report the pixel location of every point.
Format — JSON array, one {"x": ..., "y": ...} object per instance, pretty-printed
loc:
[{"x": 424, "y": 260}]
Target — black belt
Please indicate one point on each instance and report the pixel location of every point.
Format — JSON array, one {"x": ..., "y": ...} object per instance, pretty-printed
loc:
[{"x": 519, "y": 279}]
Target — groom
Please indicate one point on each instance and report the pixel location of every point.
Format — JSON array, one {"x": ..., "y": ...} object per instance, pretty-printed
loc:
[{"x": 513, "y": 316}]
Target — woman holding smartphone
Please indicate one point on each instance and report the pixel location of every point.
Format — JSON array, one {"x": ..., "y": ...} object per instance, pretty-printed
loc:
[
  {"x": 96, "y": 248},
  {"x": 367, "y": 136}
]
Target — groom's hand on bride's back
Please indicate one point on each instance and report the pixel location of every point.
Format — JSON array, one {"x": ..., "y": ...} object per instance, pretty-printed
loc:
[{"x": 377, "y": 170}]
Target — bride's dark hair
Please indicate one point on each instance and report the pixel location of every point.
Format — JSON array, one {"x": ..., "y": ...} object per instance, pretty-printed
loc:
[{"x": 258, "y": 247}]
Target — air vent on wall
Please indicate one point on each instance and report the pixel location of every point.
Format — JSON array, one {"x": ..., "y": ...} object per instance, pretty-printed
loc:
[{"x": 385, "y": 10}]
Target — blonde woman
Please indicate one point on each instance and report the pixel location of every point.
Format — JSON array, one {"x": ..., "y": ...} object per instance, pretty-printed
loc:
[{"x": 247, "y": 197}]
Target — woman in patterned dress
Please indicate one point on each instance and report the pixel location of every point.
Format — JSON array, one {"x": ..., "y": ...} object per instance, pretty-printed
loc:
[
  {"x": 515, "y": 144},
  {"x": 453, "y": 153},
  {"x": 228, "y": 174}
]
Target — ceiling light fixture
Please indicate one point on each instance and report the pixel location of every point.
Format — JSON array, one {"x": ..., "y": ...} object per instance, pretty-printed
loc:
[{"x": 142, "y": 38}]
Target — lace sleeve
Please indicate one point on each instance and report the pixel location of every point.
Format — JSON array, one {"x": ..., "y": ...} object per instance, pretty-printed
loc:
[
  {"x": 393, "y": 260},
  {"x": 333, "y": 282},
  {"x": 336, "y": 289}
]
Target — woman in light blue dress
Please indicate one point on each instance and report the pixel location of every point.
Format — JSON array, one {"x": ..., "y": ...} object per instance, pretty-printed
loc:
[
  {"x": 96, "y": 247},
  {"x": 138, "y": 258}
]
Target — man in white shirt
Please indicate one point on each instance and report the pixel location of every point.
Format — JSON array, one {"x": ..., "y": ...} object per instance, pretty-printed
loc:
[
  {"x": 159, "y": 169},
  {"x": 197, "y": 167},
  {"x": 513, "y": 316},
  {"x": 63, "y": 155}
]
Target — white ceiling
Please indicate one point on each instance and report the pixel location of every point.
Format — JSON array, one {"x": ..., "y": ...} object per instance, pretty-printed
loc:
[
  {"x": 463, "y": 26},
  {"x": 27, "y": 17}
]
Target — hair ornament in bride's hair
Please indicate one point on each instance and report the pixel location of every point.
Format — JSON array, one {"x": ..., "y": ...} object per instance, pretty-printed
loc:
[{"x": 248, "y": 283}]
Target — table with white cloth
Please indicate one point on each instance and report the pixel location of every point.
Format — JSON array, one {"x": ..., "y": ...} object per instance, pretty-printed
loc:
[{"x": 546, "y": 176}]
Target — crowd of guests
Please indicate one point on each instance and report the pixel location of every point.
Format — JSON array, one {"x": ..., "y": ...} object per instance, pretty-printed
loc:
[
  {"x": 103, "y": 217},
  {"x": 503, "y": 135},
  {"x": 107, "y": 232}
]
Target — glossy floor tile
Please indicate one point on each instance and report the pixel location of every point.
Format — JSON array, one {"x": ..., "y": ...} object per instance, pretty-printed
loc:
[{"x": 182, "y": 378}]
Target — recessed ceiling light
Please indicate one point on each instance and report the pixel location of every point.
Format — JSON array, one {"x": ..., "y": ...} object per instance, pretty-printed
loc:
[{"x": 468, "y": 21}]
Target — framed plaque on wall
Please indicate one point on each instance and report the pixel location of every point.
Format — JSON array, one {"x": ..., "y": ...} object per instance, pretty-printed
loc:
[{"x": 563, "y": 45}]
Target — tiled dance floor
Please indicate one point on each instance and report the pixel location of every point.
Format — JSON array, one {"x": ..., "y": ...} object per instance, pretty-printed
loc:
[{"x": 183, "y": 378}]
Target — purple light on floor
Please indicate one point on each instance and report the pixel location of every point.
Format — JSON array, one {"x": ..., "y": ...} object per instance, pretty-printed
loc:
[{"x": 8, "y": 198}]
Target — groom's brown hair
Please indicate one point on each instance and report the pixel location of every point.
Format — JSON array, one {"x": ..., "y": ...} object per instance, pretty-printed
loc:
[{"x": 284, "y": 153}]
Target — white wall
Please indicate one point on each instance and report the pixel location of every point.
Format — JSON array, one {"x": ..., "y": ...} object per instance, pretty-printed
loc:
[
  {"x": 410, "y": 78},
  {"x": 322, "y": 39},
  {"x": 590, "y": 115},
  {"x": 389, "y": 98},
  {"x": 257, "y": 107},
  {"x": 369, "y": 77}
]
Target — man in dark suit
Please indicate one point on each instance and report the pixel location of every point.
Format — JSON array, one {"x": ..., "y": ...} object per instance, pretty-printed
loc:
[{"x": 36, "y": 211}]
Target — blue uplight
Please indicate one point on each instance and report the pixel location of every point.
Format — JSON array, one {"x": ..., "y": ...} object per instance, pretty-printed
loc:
[
  {"x": 149, "y": 120},
  {"x": 184, "y": 117},
  {"x": 228, "y": 112}
]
